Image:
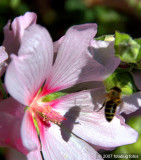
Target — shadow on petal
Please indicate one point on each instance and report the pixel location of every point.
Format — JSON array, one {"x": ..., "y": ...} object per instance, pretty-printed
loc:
[
  {"x": 98, "y": 96},
  {"x": 67, "y": 125}
]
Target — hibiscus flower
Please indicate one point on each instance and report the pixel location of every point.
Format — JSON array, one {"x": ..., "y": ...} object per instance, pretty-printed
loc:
[{"x": 68, "y": 127}]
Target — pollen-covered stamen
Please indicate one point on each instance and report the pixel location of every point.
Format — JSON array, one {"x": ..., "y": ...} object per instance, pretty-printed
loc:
[
  {"x": 50, "y": 115},
  {"x": 45, "y": 112}
]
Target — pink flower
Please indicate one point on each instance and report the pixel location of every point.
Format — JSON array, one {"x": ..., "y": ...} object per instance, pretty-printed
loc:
[{"x": 69, "y": 128}]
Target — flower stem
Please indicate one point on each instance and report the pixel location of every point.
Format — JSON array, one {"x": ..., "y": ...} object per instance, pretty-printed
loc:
[
  {"x": 41, "y": 148},
  {"x": 42, "y": 155},
  {"x": 3, "y": 90}
]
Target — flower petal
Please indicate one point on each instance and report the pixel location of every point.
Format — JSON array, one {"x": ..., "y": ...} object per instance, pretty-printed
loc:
[
  {"x": 34, "y": 155},
  {"x": 29, "y": 133},
  {"x": 131, "y": 103},
  {"x": 55, "y": 147},
  {"x": 3, "y": 58},
  {"x": 27, "y": 72},
  {"x": 81, "y": 119},
  {"x": 84, "y": 86},
  {"x": 105, "y": 61},
  {"x": 13, "y": 36},
  {"x": 137, "y": 78},
  {"x": 10, "y": 132},
  {"x": 3, "y": 54},
  {"x": 12, "y": 107},
  {"x": 72, "y": 64},
  {"x": 106, "y": 134},
  {"x": 87, "y": 101}
]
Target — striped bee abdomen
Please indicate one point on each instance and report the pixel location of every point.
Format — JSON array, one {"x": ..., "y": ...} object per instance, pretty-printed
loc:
[{"x": 110, "y": 109}]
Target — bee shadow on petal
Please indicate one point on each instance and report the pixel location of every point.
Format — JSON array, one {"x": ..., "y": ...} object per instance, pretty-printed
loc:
[{"x": 67, "y": 125}]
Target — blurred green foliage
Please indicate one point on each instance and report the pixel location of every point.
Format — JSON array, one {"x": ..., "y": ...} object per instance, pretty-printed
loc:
[
  {"x": 136, "y": 4},
  {"x": 108, "y": 19}
]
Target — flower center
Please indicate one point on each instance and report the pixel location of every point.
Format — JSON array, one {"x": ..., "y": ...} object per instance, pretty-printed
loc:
[
  {"x": 45, "y": 112},
  {"x": 50, "y": 115}
]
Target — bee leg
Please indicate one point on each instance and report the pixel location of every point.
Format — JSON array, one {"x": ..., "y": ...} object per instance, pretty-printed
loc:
[{"x": 101, "y": 107}]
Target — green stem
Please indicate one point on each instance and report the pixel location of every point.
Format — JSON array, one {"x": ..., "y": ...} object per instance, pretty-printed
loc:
[{"x": 3, "y": 90}]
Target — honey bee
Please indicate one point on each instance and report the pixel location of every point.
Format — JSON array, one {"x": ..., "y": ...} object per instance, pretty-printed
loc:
[{"x": 111, "y": 102}]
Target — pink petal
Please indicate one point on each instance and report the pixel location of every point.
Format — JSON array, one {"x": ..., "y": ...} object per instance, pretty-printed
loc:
[
  {"x": 55, "y": 147},
  {"x": 12, "y": 107},
  {"x": 57, "y": 44},
  {"x": 87, "y": 101},
  {"x": 84, "y": 86},
  {"x": 3, "y": 54},
  {"x": 78, "y": 108},
  {"x": 13, "y": 36},
  {"x": 137, "y": 113},
  {"x": 137, "y": 78},
  {"x": 72, "y": 64},
  {"x": 27, "y": 72},
  {"x": 131, "y": 103},
  {"x": 3, "y": 58},
  {"x": 34, "y": 155},
  {"x": 94, "y": 129},
  {"x": 29, "y": 133},
  {"x": 10, "y": 132},
  {"x": 105, "y": 62}
]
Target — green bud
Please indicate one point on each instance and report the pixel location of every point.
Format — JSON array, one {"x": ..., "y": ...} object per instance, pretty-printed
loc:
[
  {"x": 122, "y": 79},
  {"x": 53, "y": 96},
  {"x": 106, "y": 38},
  {"x": 127, "y": 49}
]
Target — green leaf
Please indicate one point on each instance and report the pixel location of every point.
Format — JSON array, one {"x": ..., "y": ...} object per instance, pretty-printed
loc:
[
  {"x": 122, "y": 79},
  {"x": 53, "y": 96},
  {"x": 127, "y": 49},
  {"x": 138, "y": 40}
]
